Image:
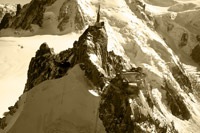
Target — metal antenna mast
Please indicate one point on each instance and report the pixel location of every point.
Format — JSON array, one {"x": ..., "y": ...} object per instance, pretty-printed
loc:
[{"x": 98, "y": 14}]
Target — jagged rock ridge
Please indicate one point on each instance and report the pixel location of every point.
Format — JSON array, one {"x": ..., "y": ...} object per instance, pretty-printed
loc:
[
  {"x": 105, "y": 70},
  {"x": 90, "y": 51}
]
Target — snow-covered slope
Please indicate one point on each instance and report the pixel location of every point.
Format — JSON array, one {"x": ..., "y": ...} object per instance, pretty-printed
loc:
[
  {"x": 132, "y": 59},
  {"x": 62, "y": 105}
]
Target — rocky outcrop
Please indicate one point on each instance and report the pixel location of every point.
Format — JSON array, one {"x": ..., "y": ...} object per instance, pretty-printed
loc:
[
  {"x": 46, "y": 65},
  {"x": 182, "y": 79},
  {"x": 196, "y": 53},
  {"x": 3, "y": 123},
  {"x": 18, "y": 9},
  {"x": 12, "y": 111}
]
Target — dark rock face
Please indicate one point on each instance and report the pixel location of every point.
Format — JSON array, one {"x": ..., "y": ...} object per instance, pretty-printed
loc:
[
  {"x": 182, "y": 79},
  {"x": 18, "y": 9},
  {"x": 5, "y": 21},
  {"x": 184, "y": 40},
  {"x": 176, "y": 104},
  {"x": 198, "y": 38},
  {"x": 196, "y": 54}
]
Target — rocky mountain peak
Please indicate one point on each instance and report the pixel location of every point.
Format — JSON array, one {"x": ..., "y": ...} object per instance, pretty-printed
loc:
[
  {"x": 139, "y": 81},
  {"x": 90, "y": 51},
  {"x": 116, "y": 83}
]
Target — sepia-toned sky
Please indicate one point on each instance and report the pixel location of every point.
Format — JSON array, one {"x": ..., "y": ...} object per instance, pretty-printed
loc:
[{"x": 15, "y": 1}]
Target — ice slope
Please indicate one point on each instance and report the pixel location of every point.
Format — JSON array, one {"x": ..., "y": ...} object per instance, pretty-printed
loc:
[
  {"x": 61, "y": 105},
  {"x": 15, "y": 55},
  {"x": 176, "y": 21}
]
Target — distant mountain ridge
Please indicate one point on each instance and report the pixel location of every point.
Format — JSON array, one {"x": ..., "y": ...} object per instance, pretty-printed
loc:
[{"x": 61, "y": 15}]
